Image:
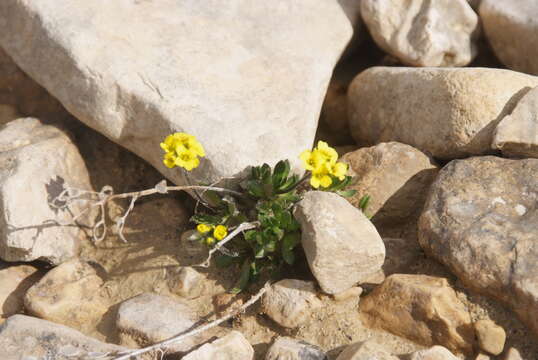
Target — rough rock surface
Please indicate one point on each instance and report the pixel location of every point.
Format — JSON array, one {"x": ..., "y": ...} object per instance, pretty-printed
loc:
[
  {"x": 421, "y": 308},
  {"x": 232, "y": 346},
  {"x": 69, "y": 294},
  {"x": 291, "y": 302},
  {"x": 183, "y": 66},
  {"x": 433, "y": 353},
  {"x": 285, "y": 348},
  {"x": 396, "y": 177},
  {"x": 36, "y": 161},
  {"x": 186, "y": 282},
  {"x": 14, "y": 282},
  {"x": 150, "y": 318},
  {"x": 481, "y": 220},
  {"x": 25, "y": 337},
  {"x": 423, "y": 32},
  {"x": 510, "y": 27},
  {"x": 490, "y": 336},
  {"x": 448, "y": 113},
  {"x": 517, "y": 133},
  {"x": 341, "y": 245},
  {"x": 365, "y": 350},
  {"x": 513, "y": 354}
]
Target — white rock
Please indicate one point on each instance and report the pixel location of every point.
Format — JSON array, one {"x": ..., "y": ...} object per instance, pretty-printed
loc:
[
  {"x": 233, "y": 346},
  {"x": 291, "y": 302},
  {"x": 434, "y": 353},
  {"x": 513, "y": 354},
  {"x": 185, "y": 282},
  {"x": 150, "y": 318},
  {"x": 366, "y": 350},
  {"x": 14, "y": 282},
  {"x": 69, "y": 294},
  {"x": 445, "y": 112},
  {"x": 510, "y": 28},
  {"x": 423, "y": 32},
  {"x": 24, "y": 338},
  {"x": 219, "y": 72},
  {"x": 517, "y": 133},
  {"x": 341, "y": 245},
  {"x": 36, "y": 161},
  {"x": 285, "y": 348}
]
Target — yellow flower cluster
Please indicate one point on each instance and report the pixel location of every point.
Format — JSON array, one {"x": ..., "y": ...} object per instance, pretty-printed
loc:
[
  {"x": 219, "y": 232},
  {"x": 322, "y": 162},
  {"x": 182, "y": 150}
]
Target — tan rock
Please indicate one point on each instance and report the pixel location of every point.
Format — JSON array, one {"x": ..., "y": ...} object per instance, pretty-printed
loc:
[
  {"x": 395, "y": 176},
  {"x": 491, "y": 337},
  {"x": 69, "y": 294},
  {"x": 291, "y": 302},
  {"x": 232, "y": 346},
  {"x": 185, "y": 282},
  {"x": 341, "y": 245},
  {"x": 482, "y": 356},
  {"x": 433, "y": 353},
  {"x": 421, "y": 308},
  {"x": 517, "y": 133},
  {"x": 510, "y": 27},
  {"x": 365, "y": 351},
  {"x": 513, "y": 354},
  {"x": 286, "y": 348},
  {"x": 423, "y": 32},
  {"x": 448, "y": 113},
  {"x": 351, "y": 293},
  {"x": 14, "y": 282},
  {"x": 480, "y": 220},
  {"x": 173, "y": 62}
]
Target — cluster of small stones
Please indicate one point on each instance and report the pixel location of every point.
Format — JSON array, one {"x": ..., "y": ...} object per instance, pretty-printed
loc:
[{"x": 448, "y": 152}]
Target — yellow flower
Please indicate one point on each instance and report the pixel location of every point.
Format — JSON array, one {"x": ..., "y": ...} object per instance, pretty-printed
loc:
[
  {"x": 220, "y": 232},
  {"x": 320, "y": 178},
  {"x": 210, "y": 241},
  {"x": 182, "y": 150},
  {"x": 339, "y": 170},
  {"x": 320, "y": 159},
  {"x": 203, "y": 228},
  {"x": 327, "y": 152}
]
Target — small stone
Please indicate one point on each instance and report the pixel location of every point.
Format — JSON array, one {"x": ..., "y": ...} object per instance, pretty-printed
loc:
[
  {"x": 491, "y": 337},
  {"x": 482, "y": 356},
  {"x": 395, "y": 176},
  {"x": 510, "y": 27},
  {"x": 69, "y": 294},
  {"x": 517, "y": 133},
  {"x": 150, "y": 318},
  {"x": 447, "y": 113},
  {"x": 291, "y": 302},
  {"x": 350, "y": 293},
  {"x": 7, "y": 113},
  {"x": 423, "y": 32},
  {"x": 366, "y": 350},
  {"x": 185, "y": 282},
  {"x": 285, "y": 348},
  {"x": 513, "y": 354},
  {"x": 233, "y": 346},
  {"x": 421, "y": 308},
  {"x": 433, "y": 353},
  {"x": 24, "y": 337},
  {"x": 14, "y": 282},
  {"x": 341, "y": 245}
]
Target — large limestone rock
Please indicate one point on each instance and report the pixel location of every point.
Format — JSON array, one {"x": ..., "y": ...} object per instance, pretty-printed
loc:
[
  {"x": 423, "y": 32},
  {"x": 421, "y": 308},
  {"x": 148, "y": 318},
  {"x": 220, "y": 72},
  {"x": 448, "y": 113},
  {"x": 433, "y": 353},
  {"x": 232, "y": 346},
  {"x": 517, "y": 133},
  {"x": 69, "y": 294},
  {"x": 481, "y": 220},
  {"x": 286, "y": 348},
  {"x": 14, "y": 282},
  {"x": 341, "y": 245},
  {"x": 25, "y": 337},
  {"x": 36, "y": 162},
  {"x": 366, "y": 350},
  {"x": 291, "y": 302},
  {"x": 395, "y": 176},
  {"x": 510, "y": 28}
]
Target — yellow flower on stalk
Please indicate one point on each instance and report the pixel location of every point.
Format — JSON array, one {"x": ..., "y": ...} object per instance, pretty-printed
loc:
[
  {"x": 210, "y": 241},
  {"x": 182, "y": 150},
  {"x": 203, "y": 228},
  {"x": 339, "y": 170},
  {"x": 322, "y": 162},
  {"x": 220, "y": 232},
  {"x": 320, "y": 178}
]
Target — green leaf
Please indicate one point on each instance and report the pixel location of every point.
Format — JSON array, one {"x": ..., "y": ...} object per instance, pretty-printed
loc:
[
  {"x": 207, "y": 219},
  {"x": 288, "y": 256},
  {"x": 266, "y": 174},
  {"x": 259, "y": 251},
  {"x": 289, "y": 185},
  {"x": 346, "y": 193},
  {"x": 223, "y": 261},
  {"x": 290, "y": 240},
  {"x": 255, "y": 189},
  {"x": 242, "y": 282},
  {"x": 280, "y": 173},
  {"x": 364, "y": 202}
]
